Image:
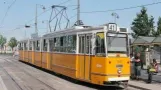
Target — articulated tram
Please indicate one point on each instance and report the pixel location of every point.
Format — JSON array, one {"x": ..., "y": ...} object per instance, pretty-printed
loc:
[{"x": 97, "y": 55}]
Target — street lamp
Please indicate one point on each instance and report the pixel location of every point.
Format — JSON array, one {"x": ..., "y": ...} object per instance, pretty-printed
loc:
[
  {"x": 41, "y": 6},
  {"x": 27, "y": 26},
  {"x": 116, "y": 16}
]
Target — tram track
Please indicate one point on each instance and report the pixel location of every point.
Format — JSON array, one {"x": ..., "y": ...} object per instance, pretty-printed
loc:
[
  {"x": 12, "y": 60},
  {"x": 10, "y": 76},
  {"x": 13, "y": 63}
]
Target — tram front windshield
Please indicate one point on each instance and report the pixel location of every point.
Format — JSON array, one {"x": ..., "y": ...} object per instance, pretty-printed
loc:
[{"x": 116, "y": 43}]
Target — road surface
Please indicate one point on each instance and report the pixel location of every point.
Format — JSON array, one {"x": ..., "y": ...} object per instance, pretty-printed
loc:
[{"x": 15, "y": 75}]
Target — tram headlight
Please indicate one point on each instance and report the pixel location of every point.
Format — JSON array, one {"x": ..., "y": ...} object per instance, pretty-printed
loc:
[{"x": 119, "y": 71}]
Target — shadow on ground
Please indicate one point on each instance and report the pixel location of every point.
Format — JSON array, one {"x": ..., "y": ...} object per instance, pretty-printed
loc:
[{"x": 98, "y": 87}]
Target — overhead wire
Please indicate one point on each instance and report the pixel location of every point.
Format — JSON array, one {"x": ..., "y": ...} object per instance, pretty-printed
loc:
[
  {"x": 98, "y": 11},
  {"x": 6, "y": 13},
  {"x": 119, "y": 9},
  {"x": 48, "y": 10},
  {"x": 70, "y": 18},
  {"x": 41, "y": 14},
  {"x": 64, "y": 2}
]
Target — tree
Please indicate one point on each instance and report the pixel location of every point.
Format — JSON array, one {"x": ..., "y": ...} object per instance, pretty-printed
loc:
[
  {"x": 2, "y": 42},
  {"x": 142, "y": 25},
  {"x": 151, "y": 27},
  {"x": 13, "y": 42},
  {"x": 158, "y": 32}
]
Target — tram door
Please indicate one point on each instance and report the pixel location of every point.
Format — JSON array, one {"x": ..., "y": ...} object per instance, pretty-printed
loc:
[{"x": 85, "y": 49}]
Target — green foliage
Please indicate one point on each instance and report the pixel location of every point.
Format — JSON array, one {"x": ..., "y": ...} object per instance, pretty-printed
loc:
[
  {"x": 142, "y": 24},
  {"x": 3, "y": 40},
  {"x": 138, "y": 49},
  {"x": 151, "y": 27},
  {"x": 13, "y": 42},
  {"x": 158, "y": 32}
]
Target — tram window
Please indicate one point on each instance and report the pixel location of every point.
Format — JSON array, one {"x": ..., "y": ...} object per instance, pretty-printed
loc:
[
  {"x": 81, "y": 44},
  {"x": 44, "y": 45},
  {"x": 63, "y": 44},
  {"x": 56, "y": 44},
  {"x": 51, "y": 44},
  {"x": 25, "y": 46},
  {"x": 112, "y": 43},
  {"x": 100, "y": 43},
  {"x": 71, "y": 44},
  {"x": 30, "y": 45},
  {"x": 38, "y": 45},
  {"x": 20, "y": 46},
  {"x": 88, "y": 45},
  {"x": 34, "y": 45},
  {"x": 61, "y": 41}
]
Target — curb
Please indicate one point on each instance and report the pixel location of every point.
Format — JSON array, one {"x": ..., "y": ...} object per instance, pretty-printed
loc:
[{"x": 137, "y": 87}]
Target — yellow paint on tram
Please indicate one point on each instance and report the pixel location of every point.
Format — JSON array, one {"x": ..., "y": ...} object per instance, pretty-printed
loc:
[{"x": 113, "y": 67}]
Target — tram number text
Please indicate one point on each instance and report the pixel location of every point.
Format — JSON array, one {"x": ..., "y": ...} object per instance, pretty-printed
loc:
[
  {"x": 112, "y": 27},
  {"x": 98, "y": 65}
]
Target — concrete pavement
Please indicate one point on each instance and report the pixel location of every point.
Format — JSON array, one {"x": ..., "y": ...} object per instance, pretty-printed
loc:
[
  {"x": 15, "y": 75},
  {"x": 2, "y": 85},
  {"x": 144, "y": 74},
  {"x": 144, "y": 86},
  {"x": 156, "y": 78}
]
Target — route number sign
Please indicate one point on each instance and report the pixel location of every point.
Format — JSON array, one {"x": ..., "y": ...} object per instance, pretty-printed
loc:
[{"x": 112, "y": 27}]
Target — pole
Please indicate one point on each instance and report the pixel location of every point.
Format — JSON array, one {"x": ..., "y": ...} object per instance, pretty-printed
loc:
[
  {"x": 47, "y": 26},
  {"x": 36, "y": 31},
  {"x": 78, "y": 13},
  {"x": 116, "y": 16}
]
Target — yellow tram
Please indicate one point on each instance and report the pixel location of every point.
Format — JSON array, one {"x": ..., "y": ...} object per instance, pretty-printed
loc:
[{"x": 97, "y": 55}]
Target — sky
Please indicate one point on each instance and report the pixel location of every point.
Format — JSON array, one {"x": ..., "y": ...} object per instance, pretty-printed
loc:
[{"x": 22, "y": 13}]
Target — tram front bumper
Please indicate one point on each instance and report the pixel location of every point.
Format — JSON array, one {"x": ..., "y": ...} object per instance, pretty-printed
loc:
[
  {"x": 118, "y": 79},
  {"x": 115, "y": 81}
]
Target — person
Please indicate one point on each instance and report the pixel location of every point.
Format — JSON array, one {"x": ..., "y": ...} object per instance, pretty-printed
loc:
[
  {"x": 155, "y": 65},
  {"x": 132, "y": 65},
  {"x": 15, "y": 53},
  {"x": 137, "y": 65}
]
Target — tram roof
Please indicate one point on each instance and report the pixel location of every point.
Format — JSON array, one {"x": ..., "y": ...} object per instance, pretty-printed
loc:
[
  {"x": 74, "y": 30},
  {"x": 24, "y": 40}
]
